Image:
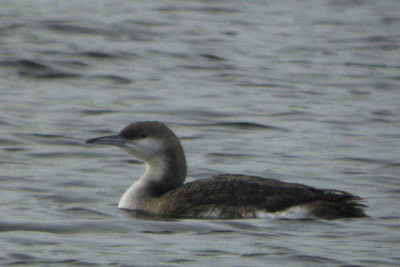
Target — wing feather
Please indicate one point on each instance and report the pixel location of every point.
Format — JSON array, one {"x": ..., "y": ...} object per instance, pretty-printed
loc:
[{"x": 236, "y": 196}]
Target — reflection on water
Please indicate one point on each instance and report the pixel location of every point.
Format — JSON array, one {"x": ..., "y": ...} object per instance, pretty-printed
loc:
[{"x": 304, "y": 93}]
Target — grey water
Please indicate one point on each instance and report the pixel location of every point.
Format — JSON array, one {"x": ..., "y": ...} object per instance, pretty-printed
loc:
[{"x": 301, "y": 91}]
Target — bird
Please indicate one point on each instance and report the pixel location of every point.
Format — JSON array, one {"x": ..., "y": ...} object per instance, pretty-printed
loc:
[{"x": 161, "y": 190}]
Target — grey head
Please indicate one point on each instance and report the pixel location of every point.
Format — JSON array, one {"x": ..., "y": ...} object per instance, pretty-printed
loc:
[
  {"x": 144, "y": 140},
  {"x": 154, "y": 143}
]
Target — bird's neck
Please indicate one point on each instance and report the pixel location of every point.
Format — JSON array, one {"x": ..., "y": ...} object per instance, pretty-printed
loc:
[{"x": 164, "y": 173}]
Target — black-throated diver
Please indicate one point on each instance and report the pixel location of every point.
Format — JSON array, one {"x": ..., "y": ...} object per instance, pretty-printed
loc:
[{"x": 161, "y": 190}]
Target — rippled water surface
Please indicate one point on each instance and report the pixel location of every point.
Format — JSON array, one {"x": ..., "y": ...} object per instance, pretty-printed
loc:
[{"x": 302, "y": 91}]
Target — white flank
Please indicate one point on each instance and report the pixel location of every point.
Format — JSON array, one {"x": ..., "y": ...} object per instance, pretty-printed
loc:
[
  {"x": 297, "y": 212},
  {"x": 212, "y": 213}
]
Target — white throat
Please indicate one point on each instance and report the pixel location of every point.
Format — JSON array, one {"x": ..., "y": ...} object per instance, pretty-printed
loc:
[
  {"x": 165, "y": 171},
  {"x": 140, "y": 191}
]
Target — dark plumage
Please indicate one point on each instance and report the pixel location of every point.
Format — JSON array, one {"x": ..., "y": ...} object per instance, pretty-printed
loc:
[{"x": 241, "y": 196}]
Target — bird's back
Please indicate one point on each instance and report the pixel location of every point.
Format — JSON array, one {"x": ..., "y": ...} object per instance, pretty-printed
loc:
[{"x": 242, "y": 196}]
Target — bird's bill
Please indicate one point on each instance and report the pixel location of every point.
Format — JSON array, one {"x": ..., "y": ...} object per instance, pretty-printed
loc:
[{"x": 113, "y": 140}]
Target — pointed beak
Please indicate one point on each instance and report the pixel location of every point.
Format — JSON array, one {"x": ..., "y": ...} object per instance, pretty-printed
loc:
[{"x": 113, "y": 140}]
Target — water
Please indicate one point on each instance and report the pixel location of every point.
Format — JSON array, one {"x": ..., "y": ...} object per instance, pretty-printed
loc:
[{"x": 304, "y": 92}]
